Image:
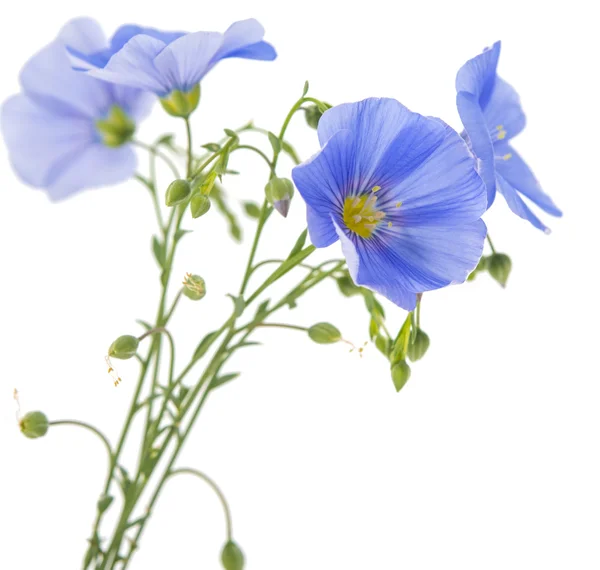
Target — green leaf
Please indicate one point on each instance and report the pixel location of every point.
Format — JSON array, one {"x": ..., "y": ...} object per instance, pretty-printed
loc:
[
  {"x": 212, "y": 147},
  {"x": 223, "y": 379},
  {"x": 238, "y": 304},
  {"x": 275, "y": 142},
  {"x": 299, "y": 244},
  {"x": 159, "y": 252},
  {"x": 383, "y": 345},
  {"x": 290, "y": 151},
  {"x": 401, "y": 343},
  {"x": 252, "y": 209},
  {"x": 164, "y": 277},
  {"x": 104, "y": 502},
  {"x": 204, "y": 345},
  {"x": 166, "y": 140},
  {"x": 180, "y": 233},
  {"x": 217, "y": 196},
  {"x": 262, "y": 310},
  {"x": 145, "y": 324},
  {"x": 231, "y": 134},
  {"x": 305, "y": 90},
  {"x": 137, "y": 521}
]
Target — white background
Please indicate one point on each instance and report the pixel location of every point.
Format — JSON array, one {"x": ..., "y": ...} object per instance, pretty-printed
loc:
[{"x": 489, "y": 456}]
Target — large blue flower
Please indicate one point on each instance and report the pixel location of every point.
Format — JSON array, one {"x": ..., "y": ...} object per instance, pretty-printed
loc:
[
  {"x": 400, "y": 192},
  {"x": 65, "y": 131},
  {"x": 167, "y": 62},
  {"x": 491, "y": 114}
]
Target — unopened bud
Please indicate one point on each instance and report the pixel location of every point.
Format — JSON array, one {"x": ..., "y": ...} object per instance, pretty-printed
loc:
[
  {"x": 194, "y": 287},
  {"x": 347, "y": 286},
  {"x": 499, "y": 266},
  {"x": 34, "y": 425},
  {"x": 181, "y": 103},
  {"x": 279, "y": 192},
  {"x": 419, "y": 347},
  {"x": 232, "y": 556},
  {"x": 199, "y": 205},
  {"x": 324, "y": 333},
  {"x": 177, "y": 192},
  {"x": 313, "y": 115},
  {"x": 204, "y": 184},
  {"x": 400, "y": 374},
  {"x": 124, "y": 347}
]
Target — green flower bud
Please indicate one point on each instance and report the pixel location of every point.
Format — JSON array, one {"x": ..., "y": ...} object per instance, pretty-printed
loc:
[
  {"x": 194, "y": 287},
  {"x": 180, "y": 103},
  {"x": 324, "y": 333},
  {"x": 279, "y": 192},
  {"x": 116, "y": 128},
  {"x": 34, "y": 425},
  {"x": 124, "y": 347},
  {"x": 419, "y": 347},
  {"x": 313, "y": 115},
  {"x": 199, "y": 205},
  {"x": 232, "y": 556},
  {"x": 400, "y": 374},
  {"x": 178, "y": 191},
  {"x": 347, "y": 286},
  {"x": 499, "y": 266}
]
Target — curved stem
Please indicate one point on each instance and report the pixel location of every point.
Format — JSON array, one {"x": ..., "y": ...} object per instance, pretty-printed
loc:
[
  {"x": 215, "y": 488},
  {"x": 88, "y": 427},
  {"x": 171, "y": 344},
  {"x": 257, "y": 151},
  {"x": 160, "y": 154}
]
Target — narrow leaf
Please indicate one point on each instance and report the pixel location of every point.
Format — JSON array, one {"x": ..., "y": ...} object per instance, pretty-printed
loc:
[
  {"x": 275, "y": 142},
  {"x": 223, "y": 379},
  {"x": 299, "y": 244}
]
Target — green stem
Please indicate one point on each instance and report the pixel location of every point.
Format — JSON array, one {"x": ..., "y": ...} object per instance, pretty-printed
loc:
[
  {"x": 280, "y": 326},
  {"x": 89, "y": 428},
  {"x": 217, "y": 491},
  {"x": 188, "y": 131},
  {"x": 489, "y": 239},
  {"x": 257, "y": 151},
  {"x": 160, "y": 154},
  {"x": 264, "y": 216}
]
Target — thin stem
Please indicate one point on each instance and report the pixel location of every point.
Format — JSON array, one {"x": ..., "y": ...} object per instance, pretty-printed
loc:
[
  {"x": 264, "y": 215},
  {"x": 257, "y": 151},
  {"x": 217, "y": 491},
  {"x": 280, "y": 326},
  {"x": 152, "y": 188},
  {"x": 160, "y": 154},
  {"x": 173, "y": 306},
  {"x": 489, "y": 239},
  {"x": 171, "y": 344},
  {"x": 419, "y": 314},
  {"x": 88, "y": 427},
  {"x": 188, "y": 130}
]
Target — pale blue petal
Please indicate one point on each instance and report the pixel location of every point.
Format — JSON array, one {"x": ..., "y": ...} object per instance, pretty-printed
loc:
[
  {"x": 516, "y": 172},
  {"x": 84, "y": 35},
  {"x": 41, "y": 143},
  {"x": 240, "y": 35},
  {"x": 133, "y": 66},
  {"x": 262, "y": 51},
  {"x": 503, "y": 112},
  {"x": 478, "y": 134},
  {"x": 443, "y": 189},
  {"x": 49, "y": 79},
  {"x": 94, "y": 166},
  {"x": 128, "y": 31},
  {"x": 183, "y": 63},
  {"x": 518, "y": 206},
  {"x": 320, "y": 229},
  {"x": 478, "y": 75}
]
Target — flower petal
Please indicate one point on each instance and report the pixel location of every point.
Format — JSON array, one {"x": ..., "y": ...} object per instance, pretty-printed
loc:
[
  {"x": 478, "y": 75},
  {"x": 516, "y": 172},
  {"x": 40, "y": 142},
  {"x": 134, "y": 66},
  {"x": 183, "y": 63},
  {"x": 517, "y": 205},
  {"x": 475, "y": 125},
  {"x": 84, "y": 35},
  {"x": 444, "y": 189},
  {"x": 503, "y": 112},
  {"x": 244, "y": 39}
]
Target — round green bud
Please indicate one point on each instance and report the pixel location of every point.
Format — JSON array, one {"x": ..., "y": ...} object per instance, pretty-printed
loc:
[
  {"x": 116, "y": 128},
  {"x": 499, "y": 266},
  {"x": 324, "y": 333},
  {"x": 419, "y": 347},
  {"x": 34, "y": 425},
  {"x": 400, "y": 374},
  {"x": 194, "y": 287},
  {"x": 279, "y": 192},
  {"x": 124, "y": 347},
  {"x": 199, "y": 205},
  {"x": 181, "y": 103},
  {"x": 178, "y": 191},
  {"x": 347, "y": 286},
  {"x": 313, "y": 115},
  {"x": 232, "y": 556}
]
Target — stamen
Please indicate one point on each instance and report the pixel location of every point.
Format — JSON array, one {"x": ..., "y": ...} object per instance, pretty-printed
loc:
[
  {"x": 113, "y": 373},
  {"x": 357, "y": 219},
  {"x": 371, "y": 218},
  {"x": 379, "y": 215},
  {"x": 389, "y": 224},
  {"x": 356, "y": 202},
  {"x": 398, "y": 204},
  {"x": 376, "y": 188},
  {"x": 507, "y": 156}
]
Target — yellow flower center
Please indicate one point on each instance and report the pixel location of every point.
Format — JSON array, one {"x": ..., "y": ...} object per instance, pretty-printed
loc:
[{"x": 361, "y": 214}]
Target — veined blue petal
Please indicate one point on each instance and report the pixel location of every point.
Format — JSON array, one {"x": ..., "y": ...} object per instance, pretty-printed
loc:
[
  {"x": 134, "y": 66},
  {"x": 478, "y": 75},
  {"x": 503, "y": 112},
  {"x": 40, "y": 142},
  {"x": 94, "y": 166},
  {"x": 516, "y": 172},
  {"x": 243, "y": 37},
  {"x": 444, "y": 189},
  {"x": 262, "y": 51},
  {"x": 128, "y": 31},
  {"x": 183, "y": 63},
  {"x": 320, "y": 228},
  {"x": 475, "y": 125},
  {"x": 517, "y": 205}
]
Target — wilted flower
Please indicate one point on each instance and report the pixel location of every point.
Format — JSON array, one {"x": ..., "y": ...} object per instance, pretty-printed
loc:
[
  {"x": 171, "y": 64},
  {"x": 400, "y": 192},
  {"x": 491, "y": 113},
  {"x": 66, "y": 131}
]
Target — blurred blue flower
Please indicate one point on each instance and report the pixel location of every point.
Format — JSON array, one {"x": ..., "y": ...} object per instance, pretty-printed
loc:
[
  {"x": 491, "y": 114},
  {"x": 164, "y": 62},
  {"x": 66, "y": 132},
  {"x": 400, "y": 192}
]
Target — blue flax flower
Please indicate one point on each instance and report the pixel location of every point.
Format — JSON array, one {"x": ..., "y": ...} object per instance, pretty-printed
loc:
[
  {"x": 400, "y": 192},
  {"x": 491, "y": 114},
  {"x": 171, "y": 64},
  {"x": 65, "y": 131}
]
